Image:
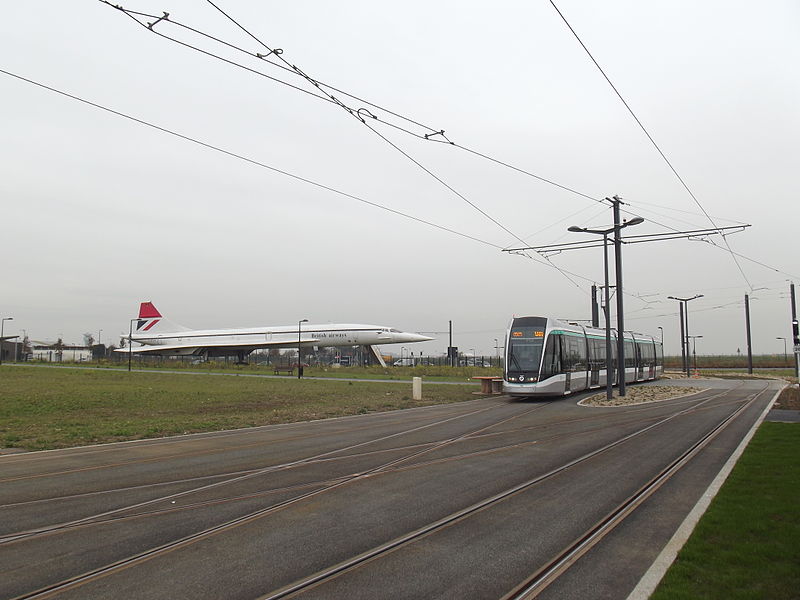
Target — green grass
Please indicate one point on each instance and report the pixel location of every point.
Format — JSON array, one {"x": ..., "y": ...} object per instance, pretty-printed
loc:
[
  {"x": 44, "y": 408},
  {"x": 747, "y": 545},
  {"x": 432, "y": 373}
]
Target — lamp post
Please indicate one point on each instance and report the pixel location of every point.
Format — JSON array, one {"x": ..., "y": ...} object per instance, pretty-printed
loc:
[
  {"x": 620, "y": 339},
  {"x": 2, "y": 326},
  {"x": 684, "y": 304},
  {"x": 130, "y": 343},
  {"x": 785, "y": 358},
  {"x": 662, "y": 335},
  {"x": 299, "y": 362}
]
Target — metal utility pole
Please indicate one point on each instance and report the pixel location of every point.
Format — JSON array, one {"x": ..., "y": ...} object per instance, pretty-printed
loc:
[
  {"x": 620, "y": 352},
  {"x": 299, "y": 349},
  {"x": 620, "y": 317},
  {"x": 595, "y": 312},
  {"x": 607, "y": 309},
  {"x": 685, "y": 328},
  {"x": 450, "y": 346},
  {"x": 795, "y": 336},
  {"x": 684, "y": 363},
  {"x": 749, "y": 340}
]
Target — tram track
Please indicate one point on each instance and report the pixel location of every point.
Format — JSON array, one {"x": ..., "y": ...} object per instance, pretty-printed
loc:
[
  {"x": 208, "y": 532},
  {"x": 419, "y": 450},
  {"x": 399, "y": 463},
  {"x": 108, "y": 516},
  {"x": 560, "y": 563},
  {"x": 377, "y": 552}
]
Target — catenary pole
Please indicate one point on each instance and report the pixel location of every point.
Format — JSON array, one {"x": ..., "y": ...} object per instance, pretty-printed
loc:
[
  {"x": 620, "y": 318},
  {"x": 749, "y": 339},
  {"x": 795, "y": 340}
]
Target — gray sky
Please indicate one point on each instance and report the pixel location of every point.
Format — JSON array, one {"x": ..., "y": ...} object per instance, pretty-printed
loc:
[{"x": 100, "y": 213}]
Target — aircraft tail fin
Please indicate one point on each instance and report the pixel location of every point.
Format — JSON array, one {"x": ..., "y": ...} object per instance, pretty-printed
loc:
[{"x": 150, "y": 319}]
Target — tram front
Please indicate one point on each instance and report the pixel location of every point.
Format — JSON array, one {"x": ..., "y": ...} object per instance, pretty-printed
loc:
[{"x": 524, "y": 345}]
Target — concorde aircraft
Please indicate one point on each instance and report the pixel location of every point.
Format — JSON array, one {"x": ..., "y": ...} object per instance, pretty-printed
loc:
[{"x": 178, "y": 341}]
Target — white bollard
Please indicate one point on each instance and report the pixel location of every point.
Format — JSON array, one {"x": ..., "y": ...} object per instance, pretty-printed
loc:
[{"x": 416, "y": 388}]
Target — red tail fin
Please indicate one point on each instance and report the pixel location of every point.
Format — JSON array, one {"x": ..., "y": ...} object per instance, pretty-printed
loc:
[{"x": 148, "y": 311}]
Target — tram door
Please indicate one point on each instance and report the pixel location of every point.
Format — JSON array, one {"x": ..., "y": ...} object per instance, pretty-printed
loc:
[
  {"x": 639, "y": 362},
  {"x": 567, "y": 381}
]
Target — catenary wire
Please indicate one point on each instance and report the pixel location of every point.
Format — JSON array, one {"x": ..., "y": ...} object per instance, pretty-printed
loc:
[
  {"x": 271, "y": 168},
  {"x": 330, "y": 99},
  {"x": 249, "y": 160},
  {"x": 357, "y": 115},
  {"x": 655, "y": 145},
  {"x": 427, "y": 137}
]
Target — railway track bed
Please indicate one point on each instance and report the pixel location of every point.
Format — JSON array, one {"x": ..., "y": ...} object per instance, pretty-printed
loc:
[{"x": 489, "y": 499}]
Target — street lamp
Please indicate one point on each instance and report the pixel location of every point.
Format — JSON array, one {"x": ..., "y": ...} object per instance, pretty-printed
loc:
[
  {"x": 130, "y": 343},
  {"x": 620, "y": 338},
  {"x": 684, "y": 308},
  {"x": 785, "y": 359},
  {"x": 299, "y": 362},
  {"x": 662, "y": 336},
  {"x": 2, "y": 325}
]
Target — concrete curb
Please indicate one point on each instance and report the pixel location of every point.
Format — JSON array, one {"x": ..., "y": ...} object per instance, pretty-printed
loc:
[{"x": 650, "y": 580}]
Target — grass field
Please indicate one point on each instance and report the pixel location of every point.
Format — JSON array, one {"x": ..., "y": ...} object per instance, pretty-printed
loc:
[
  {"x": 45, "y": 408},
  {"x": 747, "y": 545},
  {"x": 432, "y": 372}
]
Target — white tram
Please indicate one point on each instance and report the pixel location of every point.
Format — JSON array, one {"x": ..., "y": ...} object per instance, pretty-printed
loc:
[{"x": 549, "y": 357}]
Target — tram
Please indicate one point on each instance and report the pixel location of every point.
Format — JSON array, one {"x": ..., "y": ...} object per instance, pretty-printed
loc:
[{"x": 550, "y": 357}]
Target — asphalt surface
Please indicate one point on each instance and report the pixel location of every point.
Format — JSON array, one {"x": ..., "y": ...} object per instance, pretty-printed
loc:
[{"x": 452, "y": 501}]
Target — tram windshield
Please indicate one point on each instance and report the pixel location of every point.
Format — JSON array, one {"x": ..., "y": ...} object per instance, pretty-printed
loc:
[{"x": 525, "y": 348}]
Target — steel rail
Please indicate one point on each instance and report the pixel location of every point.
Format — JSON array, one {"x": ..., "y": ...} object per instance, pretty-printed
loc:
[
  {"x": 383, "y": 549},
  {"x": 558, "y": 565},
  {"x": 427, "y": 447},
  {"x": 283, "y": 466},
  {"x": 77, "y": 580}
]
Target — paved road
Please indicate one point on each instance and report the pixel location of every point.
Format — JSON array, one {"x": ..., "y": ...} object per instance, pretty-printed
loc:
[{"x": 453, "y": 501}]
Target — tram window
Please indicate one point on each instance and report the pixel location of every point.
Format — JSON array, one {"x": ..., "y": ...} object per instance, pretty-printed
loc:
[
  {"x": 630, "y": 354},
  {"x": 525, "y": 349},
  {"x": 575, "y": 353}
]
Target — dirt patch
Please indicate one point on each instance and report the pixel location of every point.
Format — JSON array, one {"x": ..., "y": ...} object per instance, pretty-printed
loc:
[
  {"x": 640, "y": 395},
  {"x": 789, "y": 398}
]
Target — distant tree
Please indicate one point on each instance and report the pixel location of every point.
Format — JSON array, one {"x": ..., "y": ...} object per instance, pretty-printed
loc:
[
  {"x": 122, "y": 342},
  {"x": 88, "y": 340}
]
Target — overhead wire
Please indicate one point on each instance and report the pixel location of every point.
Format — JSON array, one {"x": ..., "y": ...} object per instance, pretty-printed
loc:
[
  {"x": 361, "y": 118},
  {"x": 269, "y": 167},
  {"x": 652, "y": 141},
  {"x": 248, "y": 159},
  {"x": 431, "y": 131}
]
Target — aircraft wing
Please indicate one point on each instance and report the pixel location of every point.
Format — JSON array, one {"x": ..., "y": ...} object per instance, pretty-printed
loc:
[{"x": 234, "y": 346}]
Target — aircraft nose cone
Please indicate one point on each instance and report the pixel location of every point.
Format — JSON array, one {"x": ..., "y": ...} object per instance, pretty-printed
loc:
[{"x": 416, "y": 337}]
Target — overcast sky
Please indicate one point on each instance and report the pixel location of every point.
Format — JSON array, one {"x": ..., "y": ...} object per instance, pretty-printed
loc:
[{"x": 100, "y": 213}]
